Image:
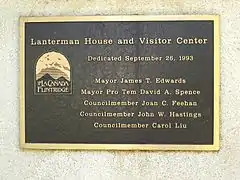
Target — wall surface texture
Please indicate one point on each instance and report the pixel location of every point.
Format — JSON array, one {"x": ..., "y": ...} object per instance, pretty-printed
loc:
[{"x": 16, "y": 164}]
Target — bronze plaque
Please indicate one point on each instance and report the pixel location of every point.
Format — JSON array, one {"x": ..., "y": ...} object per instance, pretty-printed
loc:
[{"x": 120, "y": 82}]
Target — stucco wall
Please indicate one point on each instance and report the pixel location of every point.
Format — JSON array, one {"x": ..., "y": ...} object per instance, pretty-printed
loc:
[{"x": 33, "y": 165}]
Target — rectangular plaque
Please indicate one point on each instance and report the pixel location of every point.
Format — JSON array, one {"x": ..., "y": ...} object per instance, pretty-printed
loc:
[{"x": 120, "y": 82}]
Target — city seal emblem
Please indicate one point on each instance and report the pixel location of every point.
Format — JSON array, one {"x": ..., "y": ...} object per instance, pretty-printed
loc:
[{"x": 53, "y": 74}]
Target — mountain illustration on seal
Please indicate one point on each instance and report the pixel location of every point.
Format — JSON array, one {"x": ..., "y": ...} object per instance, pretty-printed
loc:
[{"x": 53, "y": 64}]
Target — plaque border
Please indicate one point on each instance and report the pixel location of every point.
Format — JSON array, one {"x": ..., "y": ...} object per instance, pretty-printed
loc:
[{"x": 151, "y": 147}]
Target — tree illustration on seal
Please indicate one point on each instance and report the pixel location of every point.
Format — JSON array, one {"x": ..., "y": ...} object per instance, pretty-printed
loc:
[{"x": 53, "y": 64}]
